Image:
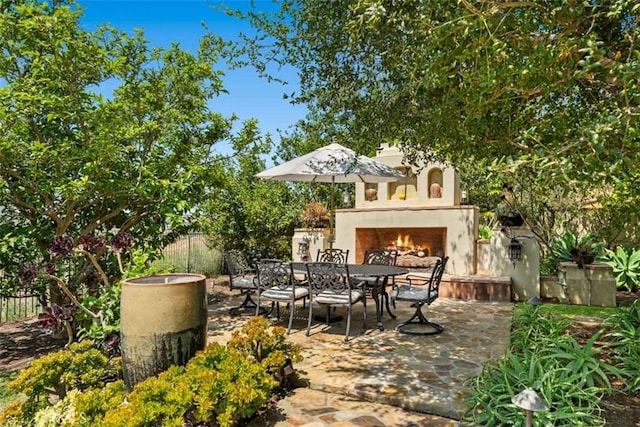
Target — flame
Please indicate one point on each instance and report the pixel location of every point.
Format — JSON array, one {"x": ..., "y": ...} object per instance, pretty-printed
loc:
[{"x": 405, "y": 243}]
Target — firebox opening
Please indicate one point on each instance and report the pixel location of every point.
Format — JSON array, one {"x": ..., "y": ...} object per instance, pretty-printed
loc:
[{"x": 414, "y": 245}]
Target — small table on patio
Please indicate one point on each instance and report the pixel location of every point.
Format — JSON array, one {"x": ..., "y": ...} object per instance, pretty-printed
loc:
[{"x": 367, "y": 270}]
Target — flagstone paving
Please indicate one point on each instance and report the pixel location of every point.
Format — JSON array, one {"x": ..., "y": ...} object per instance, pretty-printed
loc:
[{"x": 390, "y": 379}]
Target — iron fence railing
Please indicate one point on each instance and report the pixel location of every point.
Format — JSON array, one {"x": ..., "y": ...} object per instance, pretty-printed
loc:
[
  {"x": 17, "y": 307},
  {"x": 192, "y": 253}
]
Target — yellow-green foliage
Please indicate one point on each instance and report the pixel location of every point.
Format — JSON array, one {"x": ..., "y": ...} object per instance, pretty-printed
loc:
[
  {"x": 51, "y": 377},
  {"x": 221, "y": 383},
  {"x": 156, "y": 401},
  {"x": 93, "y": 404},
  {"x": 229, "y": 384},
  {"x": 266, "y": 344}
]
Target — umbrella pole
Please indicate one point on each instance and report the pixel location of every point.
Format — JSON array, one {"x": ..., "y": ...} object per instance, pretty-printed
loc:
[{"x": 332, "y": 235}]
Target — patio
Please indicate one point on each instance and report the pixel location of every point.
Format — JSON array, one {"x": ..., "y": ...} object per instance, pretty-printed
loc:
[{"x": 420, "y": 374}]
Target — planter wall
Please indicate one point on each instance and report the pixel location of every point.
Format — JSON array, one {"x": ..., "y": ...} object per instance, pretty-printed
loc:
[
  {"x": 307, "y": 241},
  {"x": 550, "y": 287},
  {"x": 593, "y": 284},
  {"x": 163, "y": 323},
  {"x": 525, "y": 273}
]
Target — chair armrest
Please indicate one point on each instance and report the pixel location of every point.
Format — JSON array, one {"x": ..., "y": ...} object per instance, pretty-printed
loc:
[{"x": 412, "y": 280}]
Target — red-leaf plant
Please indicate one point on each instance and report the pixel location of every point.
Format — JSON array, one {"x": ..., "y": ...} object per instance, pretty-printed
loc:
[{"x": 56, "y": 317}]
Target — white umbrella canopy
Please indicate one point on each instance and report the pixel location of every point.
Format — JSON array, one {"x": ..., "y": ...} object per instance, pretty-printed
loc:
[{"x": 332, "y": 163}]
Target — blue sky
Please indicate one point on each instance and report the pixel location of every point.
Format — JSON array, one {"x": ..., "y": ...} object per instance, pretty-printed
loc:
[{"x": 169, "y": 21}]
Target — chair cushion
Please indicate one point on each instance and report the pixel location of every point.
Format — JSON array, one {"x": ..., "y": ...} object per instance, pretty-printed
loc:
[
  {"x": 243, "y": 283},
  {"x": 415, "y": 294},
  {"x": 286, "y": 294},
  {"x": 328, "y": 297}
]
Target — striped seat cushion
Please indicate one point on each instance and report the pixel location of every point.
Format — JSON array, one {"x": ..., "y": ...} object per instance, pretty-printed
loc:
[
  {"x": 243, "y": 283},
  {"x": 417, "y": 294},
  {"x": 328, "y": 297},
  {"x": 285, "y": 294}
]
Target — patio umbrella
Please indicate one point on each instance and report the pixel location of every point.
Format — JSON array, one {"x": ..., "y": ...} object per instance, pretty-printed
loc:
[{"x": 332, "y": 163}]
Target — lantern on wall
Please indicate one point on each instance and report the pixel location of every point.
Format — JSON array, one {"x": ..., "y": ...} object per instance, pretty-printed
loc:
[{"x": 515, "y": 251}]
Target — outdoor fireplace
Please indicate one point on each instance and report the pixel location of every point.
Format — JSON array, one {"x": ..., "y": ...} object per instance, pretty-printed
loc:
[
  {"x": 420, "y": 216},
  {"x": 415, "y": 246}
]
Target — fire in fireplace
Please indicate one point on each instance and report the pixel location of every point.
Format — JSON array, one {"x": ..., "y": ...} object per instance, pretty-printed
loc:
[{"x": 416, "y": 246}]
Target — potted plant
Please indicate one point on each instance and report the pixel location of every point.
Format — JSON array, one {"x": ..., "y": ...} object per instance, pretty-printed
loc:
[
  {"x": 506, "y": 216},
  {"x": 581, "y": 250},
  {"x": 315, "y": 215}
]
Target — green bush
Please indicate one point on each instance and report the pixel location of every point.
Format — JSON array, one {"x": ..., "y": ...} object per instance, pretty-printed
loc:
[
  {"x": 484, "y": 231},
  {"x": 624, "y": 332},
  {"x": 221, "y": 383},
  {"x": 569, "y": 377},
  {"x": 626, "y": 267},
  {"x": 565, "y": 248},
  {"x": 51, "y": 377}
]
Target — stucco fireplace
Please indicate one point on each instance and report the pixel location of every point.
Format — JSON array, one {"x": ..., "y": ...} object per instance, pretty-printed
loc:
[{"x": 421, "y": 217}]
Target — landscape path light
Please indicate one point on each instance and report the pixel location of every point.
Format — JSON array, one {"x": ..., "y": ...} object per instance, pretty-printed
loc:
[{"x": 529, "y": 400}]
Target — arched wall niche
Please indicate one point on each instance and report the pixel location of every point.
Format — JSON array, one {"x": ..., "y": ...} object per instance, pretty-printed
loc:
[
  {"x": 435, "y": 180},
  {"x": 406, "y": 189}
]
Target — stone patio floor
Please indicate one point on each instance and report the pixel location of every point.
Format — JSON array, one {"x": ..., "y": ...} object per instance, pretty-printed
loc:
[{"x": 380, "y": 378}]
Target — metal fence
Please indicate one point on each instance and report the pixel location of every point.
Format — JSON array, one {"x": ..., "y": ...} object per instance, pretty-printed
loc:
[
  {"x": 192, "y": 254},
  {"x": 16, "y": 307}
]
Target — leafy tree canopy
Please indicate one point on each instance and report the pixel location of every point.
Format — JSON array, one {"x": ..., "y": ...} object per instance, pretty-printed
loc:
[
  {"x": 75, "y": 161},
  {"x": 551, "y": 86}
]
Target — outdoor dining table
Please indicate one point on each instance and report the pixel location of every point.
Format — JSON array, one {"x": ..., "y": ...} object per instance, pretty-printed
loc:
[{"x": 367, "y": 270}]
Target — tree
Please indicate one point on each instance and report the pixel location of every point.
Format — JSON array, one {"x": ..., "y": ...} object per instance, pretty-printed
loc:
[
  {"x": 76, "y": 159},
  {"x": 549, "y": 85},
  {"x": 255, "y": 216}
]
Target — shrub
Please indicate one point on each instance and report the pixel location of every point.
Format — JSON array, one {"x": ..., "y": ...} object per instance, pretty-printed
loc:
[
  {"x": 626, "y": 267},
  {"x": 266, "y": 345},
  {"x": 52, "y": 376},
  {"x": 569, "y": 377},
  {"x": 624, "y": 331},
  {"x": 571, "y": 248},
  {"x": 221, "y": 383},
  {"x": 484, "y": 232}
]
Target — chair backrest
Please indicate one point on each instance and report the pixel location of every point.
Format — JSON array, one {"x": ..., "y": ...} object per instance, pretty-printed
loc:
[
  {"x": 436, "y": 275},
  {"x": 381, "y": 257},
  {"x": 339, "y": 256},
  {"x": 274, "y": 273},
  {"x": 236, "y": 264},
  {"x": 323, "y": 276}
]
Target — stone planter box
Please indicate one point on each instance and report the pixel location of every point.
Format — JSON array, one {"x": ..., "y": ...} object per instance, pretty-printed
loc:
[{"x": 593, "y": 284}]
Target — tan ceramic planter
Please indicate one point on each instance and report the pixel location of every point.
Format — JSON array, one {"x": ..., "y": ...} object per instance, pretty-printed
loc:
[{"x": 163, "y": 323}]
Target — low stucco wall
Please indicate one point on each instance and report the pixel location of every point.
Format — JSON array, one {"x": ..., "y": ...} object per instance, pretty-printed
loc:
[{"x": 493, "y": 260}]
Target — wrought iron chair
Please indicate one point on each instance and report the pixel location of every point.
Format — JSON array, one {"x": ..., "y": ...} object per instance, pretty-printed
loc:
[
  {"x": 331, "y": 286},
  {"x": 276, "y": 283},
  {"x": 242, "y": 278},
  {"x": 339, "y": 256},
  {"x": 420, "y": 290},
  {"x": 376, "y": 286}
]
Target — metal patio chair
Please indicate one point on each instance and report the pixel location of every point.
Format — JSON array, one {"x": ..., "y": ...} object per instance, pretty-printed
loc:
[
  {"x": 376, "y": 286},
  {"x": 419, "y": 290},
  {"x": 331, "y": 286},
  {"x": 276, "y": 283},
  {"x": 339, "y": 256},
  {"x": 242, "y": 278}
]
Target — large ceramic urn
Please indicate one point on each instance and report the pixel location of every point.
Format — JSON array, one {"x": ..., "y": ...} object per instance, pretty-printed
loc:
[{"x": 163, "y": 323}]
